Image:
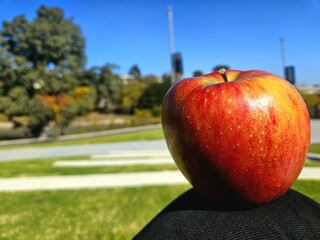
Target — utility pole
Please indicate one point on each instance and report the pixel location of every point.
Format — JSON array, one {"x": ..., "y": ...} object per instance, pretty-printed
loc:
[
  {"x": 171, "y": 41},
  {"x": 283, "y": 54}
]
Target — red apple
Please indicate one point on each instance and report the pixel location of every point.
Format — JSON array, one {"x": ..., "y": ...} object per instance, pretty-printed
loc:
[{"x": 237, "y": 135}]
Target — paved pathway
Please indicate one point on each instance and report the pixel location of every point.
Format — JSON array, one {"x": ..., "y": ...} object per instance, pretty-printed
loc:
[
  {"x": 314, "y": 156},
  {"x": 93, "y": 181},
  {"x": 107, "y": 180},
  {"x": 45, "y": 152},
  {"x": 104, "y": 163},
  {"x": 76, "y": 150},
  {"x": 315, "y": 131},
  {"x": 122, "y": 158},
  {"x": 111, "y": 180}
]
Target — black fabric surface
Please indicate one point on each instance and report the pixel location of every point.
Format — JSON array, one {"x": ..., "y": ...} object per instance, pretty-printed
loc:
[{"x": 191, "y": 216}]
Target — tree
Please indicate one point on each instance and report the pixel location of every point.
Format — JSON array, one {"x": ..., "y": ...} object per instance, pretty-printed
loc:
[
  {"x": 312, "y": 101},
  {"x": 197, "y": 73},
  {"x": 106, "y": 84},
  {"x": 18, "y": 104},
  {"x": 41, "y": 57},
  {"x": 15, "y": 103},
  {"x": 49, "y": 48},
  {"x": 85, "y": 98},
  {"x": 135, "y": 72},
  {"x": 129, "y": 96},
  {"x": 166, "y": 77},
  {"x": 49, "y": 41},
  {"x": 149, "y": 79},
  {"x": 218, "y": 67},
  {"x": 65, "y": 107},
  {"x": 153, "y": 95},
  {"x": 40, "y": 117}
]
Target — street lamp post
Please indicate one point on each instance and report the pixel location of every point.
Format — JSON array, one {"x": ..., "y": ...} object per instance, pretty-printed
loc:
[
  {"x": 283, "y": 54},
  {"x": 171, "y": 41}
]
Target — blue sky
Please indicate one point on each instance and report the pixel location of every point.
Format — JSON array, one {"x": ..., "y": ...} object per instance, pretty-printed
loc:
[{"x": 243, "y": 34}]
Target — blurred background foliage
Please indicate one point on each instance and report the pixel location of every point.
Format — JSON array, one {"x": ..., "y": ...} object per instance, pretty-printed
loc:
[
  {"x": 45, "y": 86},
  {"x": 312, "y": 101}
]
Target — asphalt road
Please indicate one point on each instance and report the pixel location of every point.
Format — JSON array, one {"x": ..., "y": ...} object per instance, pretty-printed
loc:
[{"x": 63, "y": 151}]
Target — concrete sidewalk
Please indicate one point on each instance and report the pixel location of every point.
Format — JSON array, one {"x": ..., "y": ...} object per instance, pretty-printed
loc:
[
  {"x": 105, "y": 148},
  {"x": 106, "y": 163},
  {"x": 314, "y": 156},
  {"x": 134, "y": 158},
  {"x": 92, "y": 181},
  {"x": 111, "y": 180}
]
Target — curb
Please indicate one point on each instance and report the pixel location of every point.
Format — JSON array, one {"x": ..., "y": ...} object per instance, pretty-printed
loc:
[{"x": 82, "y": 135}]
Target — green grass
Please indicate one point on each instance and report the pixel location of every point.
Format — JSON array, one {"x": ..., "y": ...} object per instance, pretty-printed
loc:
[
  {"x": 309, "y": 188},
  {"x": 312, "y": 163},
  {"x": 44, "y": 167},
  {"x": 314, "y": 148},
  {"x": 92, "y": 214},
  {"x": 83, "y": 214},
  {"x": 137, "y": 136}
]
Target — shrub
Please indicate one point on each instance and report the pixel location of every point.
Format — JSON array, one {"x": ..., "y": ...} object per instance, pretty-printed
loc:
[
  {"x": 16, "y": 133},
  {"x": 156, "y": 111}
]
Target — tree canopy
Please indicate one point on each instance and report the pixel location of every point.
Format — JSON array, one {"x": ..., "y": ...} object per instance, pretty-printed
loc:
[
  {"x": 135, "y": 72},
  {"x": 49, "y": 41},
  {"x": 38, "y": 58},
  {"x": 197, "y": 73},
  {"x": 44, "y": 82},
  {"x": 107, "y": 85}
]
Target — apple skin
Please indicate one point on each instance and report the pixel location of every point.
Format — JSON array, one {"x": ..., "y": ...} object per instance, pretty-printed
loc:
[{"x": 243, "y": 140}]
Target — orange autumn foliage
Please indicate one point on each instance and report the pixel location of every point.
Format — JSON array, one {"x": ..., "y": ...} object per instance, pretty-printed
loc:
[{"x": 57, "y": 103}]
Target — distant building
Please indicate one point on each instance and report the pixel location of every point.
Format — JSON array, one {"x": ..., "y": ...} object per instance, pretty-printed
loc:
[
  {"x": 290, "y": 74},
  {"x": 309, "y": 89},
  {"x": 177, "y": 66},
  {"x": 128, "y": 78}
]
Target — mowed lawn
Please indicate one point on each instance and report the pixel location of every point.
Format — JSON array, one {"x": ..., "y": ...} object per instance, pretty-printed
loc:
[
  {"x": 125, "y": 137},
  {"x": 92, "y": 214},
  {"x": 44, "y": 167},
  {"x": 115, "y": 213}
]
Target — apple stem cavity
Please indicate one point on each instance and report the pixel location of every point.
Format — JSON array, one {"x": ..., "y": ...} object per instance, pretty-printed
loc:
[{"x": 223, "y": 73}]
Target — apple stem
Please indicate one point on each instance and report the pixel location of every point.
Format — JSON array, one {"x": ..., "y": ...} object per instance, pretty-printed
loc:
[{"x": 222, "y": 71}]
